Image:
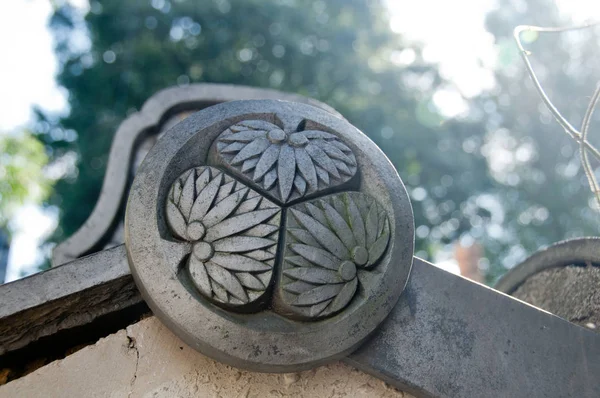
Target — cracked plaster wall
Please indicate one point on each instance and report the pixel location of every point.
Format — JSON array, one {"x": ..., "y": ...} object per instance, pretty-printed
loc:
[{"x": 147, "y": 360}]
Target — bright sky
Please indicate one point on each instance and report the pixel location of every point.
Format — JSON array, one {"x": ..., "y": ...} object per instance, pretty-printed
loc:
[
  {"x": 454, "y": 37},
  {"x": 28, "y": 64},
  {"x": 26, "y": 79}
]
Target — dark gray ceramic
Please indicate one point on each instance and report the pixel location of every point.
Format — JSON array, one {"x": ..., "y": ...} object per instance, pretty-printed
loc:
[{"x": 251, "y": 258}]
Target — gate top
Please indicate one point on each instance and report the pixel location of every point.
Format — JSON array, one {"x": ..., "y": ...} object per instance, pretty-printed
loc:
[{"x": 269, "y": 235}]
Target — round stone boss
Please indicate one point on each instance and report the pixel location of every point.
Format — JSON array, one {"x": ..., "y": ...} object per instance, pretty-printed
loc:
[{"x": 269, "y": 235}]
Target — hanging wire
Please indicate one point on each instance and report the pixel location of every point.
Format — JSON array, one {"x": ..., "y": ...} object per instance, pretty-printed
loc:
[{"x": 579, "y": 136}]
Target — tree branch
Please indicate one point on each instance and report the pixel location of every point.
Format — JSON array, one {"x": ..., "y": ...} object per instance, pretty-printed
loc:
[{"x": 579, "y": 137}]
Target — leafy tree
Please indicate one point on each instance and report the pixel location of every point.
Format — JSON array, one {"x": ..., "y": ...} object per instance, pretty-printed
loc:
[
  {"x": 22, "y": 178},
  {"x": 542, "y": 188},
  {"x": 340, "y": 52},
  {"x": 507, "y": 177}
]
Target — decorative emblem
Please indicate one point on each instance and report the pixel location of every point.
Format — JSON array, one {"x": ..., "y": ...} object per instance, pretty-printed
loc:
[
  {"x": 234, "y": 235},
  {"x": 289, "y": 165},
  {"x": 272, "y": 251},
  {"x": 329, "y": 242}
]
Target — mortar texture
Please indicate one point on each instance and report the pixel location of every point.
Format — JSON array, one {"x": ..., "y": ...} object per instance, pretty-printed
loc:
[
  {"x": 147, "y": 360},
  {"x": 571, "y": 292}
]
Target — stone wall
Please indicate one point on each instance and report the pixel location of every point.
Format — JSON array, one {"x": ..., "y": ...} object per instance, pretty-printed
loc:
[{"x": 147, "y": 360}]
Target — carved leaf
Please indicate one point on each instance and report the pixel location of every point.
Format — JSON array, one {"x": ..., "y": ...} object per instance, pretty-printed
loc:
[
  {"x": 328, "y": 241},
  {"x": 266, "y": 161},
  {"x": 234, "y": 235},
  {"x": 176, "y": 220},
  {"x": 319, "y": 294},
  {"x": 313, "y": 275},
  {"x": 289, "y": 164}
]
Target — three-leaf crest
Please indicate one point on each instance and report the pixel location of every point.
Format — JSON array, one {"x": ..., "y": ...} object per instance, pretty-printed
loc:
[
  {"x": 329, "y": 242},
  {"x": 287, "y": 164},
  {"x": 234, "y": 233}
]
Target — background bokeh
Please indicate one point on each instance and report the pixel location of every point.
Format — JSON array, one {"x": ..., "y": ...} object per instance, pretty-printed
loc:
[{"x": 438, "y": 85}]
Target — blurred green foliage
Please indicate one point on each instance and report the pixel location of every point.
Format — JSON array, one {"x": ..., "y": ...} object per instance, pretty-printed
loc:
[
  {"x": 505, "y": 176},
  {"x": 338, "y": 51},
  {"x": 542, "y": 186},
  {"x": 22, "y": 179}
]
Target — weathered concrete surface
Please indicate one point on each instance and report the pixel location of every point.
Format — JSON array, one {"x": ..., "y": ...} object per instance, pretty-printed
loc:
[
  {"x": 562, "y": 278},
  {"x": 570, "y": 292},
  {"x": 147, "y": 360},
  {"x": 450, "y": 337},
  {"x": 105, "y": 369},
  {"x": 49, "y": 302}
]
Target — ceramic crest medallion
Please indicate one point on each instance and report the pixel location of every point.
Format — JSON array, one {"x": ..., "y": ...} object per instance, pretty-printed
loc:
[{"x": 270, "y": 235}]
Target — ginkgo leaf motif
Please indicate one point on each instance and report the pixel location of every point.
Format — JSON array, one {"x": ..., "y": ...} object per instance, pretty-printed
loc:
[
  {"x": 328, "y": 242},
  {"x": 234, "y": 232},
  {"x": 288, "y": 164}
]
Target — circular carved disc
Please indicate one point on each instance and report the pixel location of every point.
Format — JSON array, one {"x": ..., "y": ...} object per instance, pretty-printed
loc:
[{"x": 269, "y": 235}]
